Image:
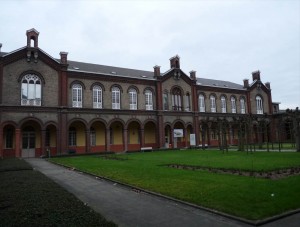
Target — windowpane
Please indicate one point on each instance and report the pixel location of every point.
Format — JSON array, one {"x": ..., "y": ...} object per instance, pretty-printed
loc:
[
  {"x": 165, "y": 100},
  {"x": 97, "y": 97},
  {"x": 31, "y": 90},
  {"x": 212, "y": 104},
  {"x": 149, "y": 101},
  {"x": 242, "y": 102},
  {"x": 77, "y": 95},
  {"x": 259, "y": 105},
  {"x": 115, "y": 98},
  {"x": 223, "y": 104},
  {"x": 201, "y": 103},
  {"x": 233, "y": 105},
  {"x": 132, "y": 99}
]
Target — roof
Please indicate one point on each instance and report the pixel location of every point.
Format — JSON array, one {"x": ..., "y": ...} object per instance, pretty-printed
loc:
[
  {"x": 135, "y": 73},
  {"x": 2, "y": 54},
  {"x": 219, "y": 83},
  {"x": 110, "y": 70}
]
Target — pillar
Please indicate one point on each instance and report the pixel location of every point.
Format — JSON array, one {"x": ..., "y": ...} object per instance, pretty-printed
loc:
[
  {"x": 87, "y": 141},
  {"x": 18, "y": 141},
  {"x": 125, "y": 142}
]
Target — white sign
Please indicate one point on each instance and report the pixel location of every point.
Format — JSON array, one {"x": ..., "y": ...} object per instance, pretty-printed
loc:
[
  {"x": 178, "y": 132},
  {"x": 192, "y": 139}
]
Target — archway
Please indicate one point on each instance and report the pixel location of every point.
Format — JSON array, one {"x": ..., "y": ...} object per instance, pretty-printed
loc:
[
  {"x": 77, "y": 137},
  {"x": 9, "y": 141},
  {"x": 97, "y": 136},
  {"x": 116, "y": 136},
  {"x": 133, "y": 136},
  {"x": 31, "y": 140},
  {"x": 150, "y": 135}
]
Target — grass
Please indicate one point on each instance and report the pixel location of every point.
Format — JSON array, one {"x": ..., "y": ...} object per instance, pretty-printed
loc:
[
  {"x": 28, "y": 198},
  {"x": 246, "y": 197}
]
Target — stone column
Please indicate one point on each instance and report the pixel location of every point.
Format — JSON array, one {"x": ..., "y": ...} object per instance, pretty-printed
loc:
[{"x": 18, "y": 142}]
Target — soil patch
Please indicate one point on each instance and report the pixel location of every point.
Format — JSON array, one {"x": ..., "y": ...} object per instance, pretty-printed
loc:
[{"x": 273, "y": 175}]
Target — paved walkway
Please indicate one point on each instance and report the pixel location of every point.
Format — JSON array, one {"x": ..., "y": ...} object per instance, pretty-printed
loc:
[{"x": 126, "y": 207}]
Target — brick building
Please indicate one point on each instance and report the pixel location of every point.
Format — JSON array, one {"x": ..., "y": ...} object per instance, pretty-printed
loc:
[{"x": 62, "y": 105}]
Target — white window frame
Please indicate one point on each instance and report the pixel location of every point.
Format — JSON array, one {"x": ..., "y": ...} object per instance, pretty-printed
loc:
[
  {"x": 149, "y": 100},
  {"x": 132, "y": 99},
  {"x": 77, "y": 95},
  {"x": 243, "y": 107},
  {"x": 97, "y": 97},
  {"x": 201, "y": 100},
  {"x": 31, "y": 90},
  {"x": 223, "y": 104},
  {"x": 259, "y": 105},
  {"x": 213, "y": 104},
  {"x": 115, "y": 99},
  {"x": 233, "y": 104}
]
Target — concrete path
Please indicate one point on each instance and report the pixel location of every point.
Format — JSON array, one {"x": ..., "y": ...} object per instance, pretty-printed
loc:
[{"x": 126, "y": 207}]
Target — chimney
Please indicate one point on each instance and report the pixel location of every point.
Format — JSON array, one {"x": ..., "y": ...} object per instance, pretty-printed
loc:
[
  {"x": 193, "y": 75},
  {"x": 246, "y": 83},
  {"x": 267, "y": 84},
  {"x": 256, "y": 75},
  {"x": 156, "y": 71},
  {"x": 63, "y": 58},
  {"x": 175, "y": 62}
]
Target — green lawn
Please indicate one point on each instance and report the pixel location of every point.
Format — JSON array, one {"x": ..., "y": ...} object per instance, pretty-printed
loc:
[{"x": 246, "y": 197}]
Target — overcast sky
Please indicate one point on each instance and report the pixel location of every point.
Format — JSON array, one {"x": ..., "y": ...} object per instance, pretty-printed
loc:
[{"x": 225, "y": 40}]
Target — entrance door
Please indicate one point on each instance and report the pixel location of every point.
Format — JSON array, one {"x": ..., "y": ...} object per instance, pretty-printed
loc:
[{"x": 28, "y": 143}]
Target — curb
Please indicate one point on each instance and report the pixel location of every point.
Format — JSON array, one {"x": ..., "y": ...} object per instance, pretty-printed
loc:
[{"x": 246, "y": 221}]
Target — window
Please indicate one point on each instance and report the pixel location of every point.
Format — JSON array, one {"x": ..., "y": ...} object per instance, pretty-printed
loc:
[
  {"x": 115, "y": 98},
  {"x": 31, "y": 90},
  {"x": 92, "y": 137},
  {"x": 201, "y": 103},
  {"x": 77, "y": 95},
  {"x": 9, "y": 138},
  {"x": 72, "y": 136},
  {"x": 176, "y": 99},
  {"x": 233, "y": 105},
  {"x": 243, "y": 109},
  {"x": 223, "y": 104},
  {"x": 149, "y": 101},
  {"x": 187, "y": 102},
  {"x": 132, "y": 99},
  {"x": 97, "y": 97},
  {"x": 212, "y": 104},
  {"x": 165, "y": 101},
  {"x": 259, "y": 105},
  {"x": 47, "y": 139}
]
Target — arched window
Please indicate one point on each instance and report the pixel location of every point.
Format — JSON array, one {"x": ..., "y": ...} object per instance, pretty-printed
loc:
[
  {"x": 148, "y": 101},
  {"x": 115, "y": 92},
  {"x": 31, "y": 90},
  {"x": 201, "y": 103},
  {"x": 259, "y": 105},
  {"x": 97, "y": 97},
  {"x": 223, "y": 104},
  {"x": 77, "y": 95},
  {"x": 243, "y": 107},
  {"x": 132, "y": 99},
  {"x": 212, "y": 104},
  {"x": 187, "y": 102},
  {"x": 166, "y": 100},
  {"x": 233, "y": 105},
  {"x": 176, "y": 99},
  {"x": 72, "y": 136}
]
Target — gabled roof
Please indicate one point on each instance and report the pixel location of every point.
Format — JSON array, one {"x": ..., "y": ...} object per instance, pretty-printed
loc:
[
  {"x": 219, "y": 84},
  {"x": 110, "y": 70}
]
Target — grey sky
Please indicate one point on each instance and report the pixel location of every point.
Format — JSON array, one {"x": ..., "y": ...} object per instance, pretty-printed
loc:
[{"x": 224, "y": 40}]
